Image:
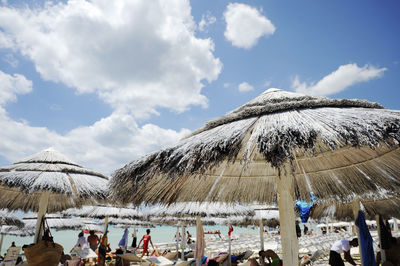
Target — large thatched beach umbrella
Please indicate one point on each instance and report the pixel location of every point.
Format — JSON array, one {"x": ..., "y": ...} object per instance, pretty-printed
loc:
[
  {"x": 276, "y": 148},
  {"x": 49, "y": 182}
]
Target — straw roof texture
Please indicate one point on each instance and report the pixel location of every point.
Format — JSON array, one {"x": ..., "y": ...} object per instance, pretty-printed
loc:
[
  {"x": 101, "y": 211},
  {"x": 22, "y": 183},
  {"x": 16, "y": 231},
  {"x": 7, "y": 218},
  {"x": 388, "y": 207},
  {"x": 200, "y": 209},
  {"x": 56, "y": 223},
  {"x": 338, "y": 149}
]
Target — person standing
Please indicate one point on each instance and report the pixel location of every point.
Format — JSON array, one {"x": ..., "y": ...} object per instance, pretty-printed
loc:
[
  {"x": 93, "y": 240},
  {"x": 134, "y": 238},
  {"x": 342, "y": 246},
  {"x": 146, "y": 239},
  {"x": 298, "y": 230}
]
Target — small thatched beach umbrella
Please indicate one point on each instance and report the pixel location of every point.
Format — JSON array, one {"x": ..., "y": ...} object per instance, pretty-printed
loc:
[
  {"x": 8, "y": 219},
  {"x": 49, "y": 182},
  {"x": 274, "y": 149},
  {"x": 55, "y": 221}
]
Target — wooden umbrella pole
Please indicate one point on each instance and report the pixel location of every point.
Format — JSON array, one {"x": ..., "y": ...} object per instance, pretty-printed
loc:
[
  {"x": 356, "y": 208},
  {"x": 1, "y": 238},
  {"x": 378, "y": 226},
  {"x": 229, "y": 248},
  {"x": 183, "y": 241},
  {"x": 261, "y": 234},
  {"x": 177, "y": 241},
  {"x": 44, "y": 201},
  {"x": 198, "y": 260},
  {"x": 290, "y": 248}
]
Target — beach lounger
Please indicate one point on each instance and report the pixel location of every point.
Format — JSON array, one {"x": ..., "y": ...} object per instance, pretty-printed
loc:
[
  {"x": 12, "y": 253},
  {"x": 160, "y": 261}
]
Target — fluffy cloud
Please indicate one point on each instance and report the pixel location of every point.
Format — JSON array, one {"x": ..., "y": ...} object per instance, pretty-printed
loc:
[
  {"x": 104, "y": 146},
  {"x": 339, "y": 80},
  {"x": 245, "y": 87},
  {"x": 206, "y": 20},
  {"x": 10, "y": 86},
  {"x": 136, "y": 55},
  {"x": 245, "y": 25}
]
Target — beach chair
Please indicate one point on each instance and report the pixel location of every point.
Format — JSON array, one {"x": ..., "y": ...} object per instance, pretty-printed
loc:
[
  {"x": 160, "y": 261},
  {"x": 12, "y": 254}
]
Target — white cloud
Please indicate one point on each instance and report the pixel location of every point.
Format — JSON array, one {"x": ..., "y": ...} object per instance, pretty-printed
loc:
[
  {"x": 339, "y": 80},
  {"x": 10, "y": 86},
  {"x": 206, "y": 20},
  {"x": 245, "y": 87},
  {"x": 245, "y": 25},
  {"x": 136, "y": 55},
  {"x": 104, "y": 146}
]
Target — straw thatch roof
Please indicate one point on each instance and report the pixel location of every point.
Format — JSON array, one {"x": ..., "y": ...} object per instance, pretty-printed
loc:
[
  {"x": 388, "y": 207},
  {"x": 200, "y": 209},
  {"x": 55, "y": 221},
  {"x": 22, "y": 183},
  {"x": 101, "y": 211},
  {"x": 338, "y": 149},
  {"x": 15, "y": 231},
  {"x": 7, "y": 218}
]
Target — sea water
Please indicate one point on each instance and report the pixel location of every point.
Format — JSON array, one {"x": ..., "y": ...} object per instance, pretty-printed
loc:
[{"x": 159, "y": 234}]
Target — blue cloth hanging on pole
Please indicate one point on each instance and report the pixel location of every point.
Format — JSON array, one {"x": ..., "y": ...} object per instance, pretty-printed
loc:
[
  {"x": 304, "y": 208},
  {"x": 124, "y": 240},
  {"x": 366, "y": 242}
]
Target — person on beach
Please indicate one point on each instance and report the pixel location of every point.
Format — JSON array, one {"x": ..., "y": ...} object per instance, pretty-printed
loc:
[
  {"x": 189, "y": 237},
  {"x": 298, "y": 230},
  {"x": 93, "y": 240},
  {"x": 342, "y": 246},
  {"x": 134, "y": 238},
  {"x": 81, "y": 243},
  {"x": 146, "y": 239},
  {"x": 270, "y": 255}
]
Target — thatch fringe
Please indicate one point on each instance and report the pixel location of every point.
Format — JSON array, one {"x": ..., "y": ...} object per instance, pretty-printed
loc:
[{"x": 388, "y": 208}]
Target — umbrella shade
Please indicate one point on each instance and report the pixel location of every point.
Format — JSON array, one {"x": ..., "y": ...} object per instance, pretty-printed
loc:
[
  {"x": 7, "y": 218},
  {"x": 388, "y": 207},
  {"x": 69, "y": 185},
  {"x": 200, "y": 209},
  {"x": 56, "y": 222},
  {"x": 16, "y": 231},
  {"x": 102, "y": 211},
  {"x": 238, "y": 157},
  {"x": 278, "y": 147}
]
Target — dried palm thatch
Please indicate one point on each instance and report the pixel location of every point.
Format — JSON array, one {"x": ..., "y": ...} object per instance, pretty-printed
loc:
[
  {"x": 338, "y": 149},
  {"x": 101, "y": 211},
  {"x": 388, "y": 207},
  {"x": 70, "y": 185},
  {"x": 55, "y": 221},
  {"x": 15, "y": 231},
  {"x": 182, "y": 209},
  {"x": 7, "y": 218}
]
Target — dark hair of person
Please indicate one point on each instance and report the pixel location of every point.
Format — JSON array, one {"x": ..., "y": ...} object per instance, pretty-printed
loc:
[
  {"x": 80, "y": 234},
  {"x": 148, "y": 231},
  {"x": 91, "y": 232}
]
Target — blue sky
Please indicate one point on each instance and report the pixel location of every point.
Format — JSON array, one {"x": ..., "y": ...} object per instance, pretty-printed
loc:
[{"x": 105, "y": 82}]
